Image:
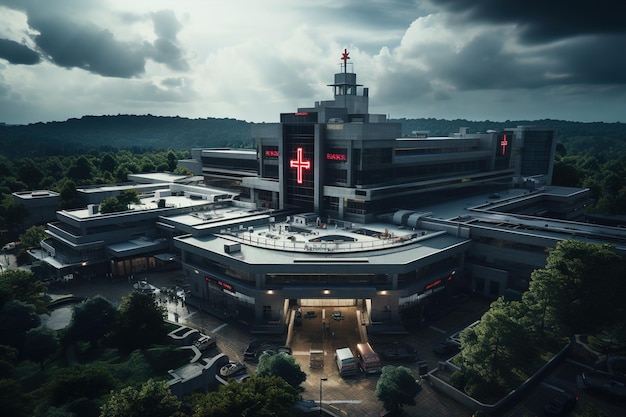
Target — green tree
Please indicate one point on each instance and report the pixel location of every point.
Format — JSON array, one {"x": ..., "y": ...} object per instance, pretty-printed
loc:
[
  {"x": 92, "y": 319},
  {"x": 69, "y": 196},
  {"x": 108, "y": 163},
  {"x": 281, "y": 365},
  {"x": 81, "y": 169},
  {"x": 397, "y": 387},
  {"x": 154, "y": 399},
  {"x": 139, "y": 323},
  {"x": 30, "y": 173},
  {"x": 79, "y": 381},
  {"x": 13, "y": 401},
  {"x": 33, "y": 236},
  {"x": 582, "y": 286},
  {"x": 494, "y": 349},
  {"x": 39, "y": 344},
  {"x": 128, "y": 197},
  {"x": 268, "y": 396},
  {"x": 19, "y": 284},
  {"x": 16, "y": 318},
  {"x": 111, "y": 205}
]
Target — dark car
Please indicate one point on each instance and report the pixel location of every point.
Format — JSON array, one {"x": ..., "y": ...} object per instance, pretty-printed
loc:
[
  {"x": 398, "y": 352},
  {"x": 601, "y": 382},
  {"x": 561, "y": 404},
  {"x": 446, "y": 347},
  {"x": 252, "y": 351}
]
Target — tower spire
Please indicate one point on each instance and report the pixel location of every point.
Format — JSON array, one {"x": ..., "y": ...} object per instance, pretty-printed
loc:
[{"x": 345, "y": 57}]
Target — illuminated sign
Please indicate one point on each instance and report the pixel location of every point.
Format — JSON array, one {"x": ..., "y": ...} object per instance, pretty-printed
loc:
[
  {"x": 219, "y": 283},
  {"x": 271, "y": 153},
  {"x": 336, "y": 157},
  {"x": 299, "y": 164},
  {"x": 302, "y": 113},
  {"x": 433, "y": 284},
  {"x": 504, "y": 143}
]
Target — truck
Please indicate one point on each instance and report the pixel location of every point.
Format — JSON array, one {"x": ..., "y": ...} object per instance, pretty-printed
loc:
[
  {"x": 346, "y": 363},
  {"x": 369, "y": 361}
]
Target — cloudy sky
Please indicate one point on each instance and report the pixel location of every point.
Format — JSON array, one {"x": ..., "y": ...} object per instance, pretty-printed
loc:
[{"x": 253, "y": 59}]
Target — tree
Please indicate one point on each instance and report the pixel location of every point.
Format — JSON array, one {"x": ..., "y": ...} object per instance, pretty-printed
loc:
[
  {"x": 281, "y": 365},
  {"x": 127, "y": 197},
  {"x": 69, "y": 196},
  {"x": 396, "y": 387},
  {"x": 92, "y": 319},
  {"x": 171, "y": 160},
  {"x": 81, "y": 169},
  {"x": 154, "y": 399},
  {"x": 108, "y": 163},
  {"x": 18, "y": 284},
  {"x": 79, "y": 381},
  {"x": 582, "y": 286},
  {"x": 16, "y": 318},
  {"x": 33, "y": 236},
  {"x": 139, "y": 323},
  {"x": 39, "y": 344},
  {"x": 13, "y": 402},
  {"x": 268, "y": 396},
  {"x": 111, "y": 205},
  {"x": 495, "y": 347}
]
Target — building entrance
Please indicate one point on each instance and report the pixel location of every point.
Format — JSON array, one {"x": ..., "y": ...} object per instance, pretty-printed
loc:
[{"x": 312, "y": 302}]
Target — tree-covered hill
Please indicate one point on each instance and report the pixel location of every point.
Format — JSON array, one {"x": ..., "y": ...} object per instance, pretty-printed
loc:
[
  {"x": 74, "y": 136},
  {"x": 147, "y": 132}
]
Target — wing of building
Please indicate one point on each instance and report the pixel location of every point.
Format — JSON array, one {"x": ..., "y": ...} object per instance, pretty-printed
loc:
[{"x": 336, "y": 207}]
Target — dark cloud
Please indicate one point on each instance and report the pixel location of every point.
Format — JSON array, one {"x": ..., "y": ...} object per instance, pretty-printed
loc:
[
  {"x": 543, "y": 21},
  {"x": 16, "y": 53},
  {"x": 88, "y": 47},
  {"x": 165, "y": 49},
  {"x": 73, "y": 43}
]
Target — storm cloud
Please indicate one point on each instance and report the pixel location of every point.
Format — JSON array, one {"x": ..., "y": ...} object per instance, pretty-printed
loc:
[
  {"x": 541, "y": 21},
  {"x": 16, "y": 53},
  {"x": 489, "y": 59}
]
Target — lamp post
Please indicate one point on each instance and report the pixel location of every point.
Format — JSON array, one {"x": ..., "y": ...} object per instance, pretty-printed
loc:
[{"x": 321, "y": 380}]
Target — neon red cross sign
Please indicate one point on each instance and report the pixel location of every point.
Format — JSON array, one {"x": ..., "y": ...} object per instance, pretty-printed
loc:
[
  {"x": 299, "y": 164},
  {"x": 345, "y": 57},
  {"x": 504, "y": 143}
]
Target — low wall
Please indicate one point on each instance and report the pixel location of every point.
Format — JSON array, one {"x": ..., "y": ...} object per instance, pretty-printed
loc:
[{"x": 473, "y": 404}]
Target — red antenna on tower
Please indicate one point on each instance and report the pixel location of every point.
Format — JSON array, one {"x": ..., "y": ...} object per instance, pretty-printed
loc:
[{"x": 345, "y": 58}]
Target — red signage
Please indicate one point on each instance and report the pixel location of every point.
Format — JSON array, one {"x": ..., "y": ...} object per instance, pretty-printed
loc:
[
  {"x": 299, "y": 164},
  {"x": 433, "y": 284},
  {"x": 336, "y": 157},
  {"x": 503, "y": 144},
  {"x": 302, "y": 113},
  {"x": 271, "y": 154},
  {"x": 219, "y": 283}
]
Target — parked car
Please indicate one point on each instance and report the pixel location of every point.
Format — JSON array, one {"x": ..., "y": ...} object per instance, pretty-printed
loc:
[
  {"x": 232, "y": 368},
  {"x": 561, "y": 404},
  {"x": 284, "y": 349},
  {"x": 204, "y": 343},
  {"x": 310, "y": 314},
  {"x": 337, "y": 315},
  {"x": 602, "y": 383},
  {"x": 252, "y": 351},
  {"x": 446, "y": 347}
]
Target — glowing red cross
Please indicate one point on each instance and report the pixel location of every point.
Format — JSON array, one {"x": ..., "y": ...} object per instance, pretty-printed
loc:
[
  {"x": 299, "y": 164},
  {"x": 345, "y": 57},
  {"x": 504, "y": 143}
]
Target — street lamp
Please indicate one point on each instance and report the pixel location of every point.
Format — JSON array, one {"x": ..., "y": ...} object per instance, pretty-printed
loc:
[{"x": 321, "y": 380}]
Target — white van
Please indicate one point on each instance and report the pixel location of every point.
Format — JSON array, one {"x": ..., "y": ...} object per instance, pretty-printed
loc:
[
  {"x": 346, "y": 363},
  {"x": 369, "y": 361}
]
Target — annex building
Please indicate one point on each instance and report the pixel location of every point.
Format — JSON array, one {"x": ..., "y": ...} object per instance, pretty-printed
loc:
[{"x": 335, "y": 207}]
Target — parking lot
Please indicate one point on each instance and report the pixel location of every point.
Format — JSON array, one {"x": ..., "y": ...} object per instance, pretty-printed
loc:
[{"x": 354, "y": 396}]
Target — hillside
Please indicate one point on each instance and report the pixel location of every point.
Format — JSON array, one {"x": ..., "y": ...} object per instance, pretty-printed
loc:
[{"x": 75, "y": 136}]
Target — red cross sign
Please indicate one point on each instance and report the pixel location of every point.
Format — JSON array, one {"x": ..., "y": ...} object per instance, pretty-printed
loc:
[
  {"x": 504, "y": 143},
  {"x": 345, "y": 57},
  {"x": 299, "y": 164}
]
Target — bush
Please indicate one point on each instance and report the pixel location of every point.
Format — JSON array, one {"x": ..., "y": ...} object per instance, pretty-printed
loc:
[{"x": 458, "y": 380}]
